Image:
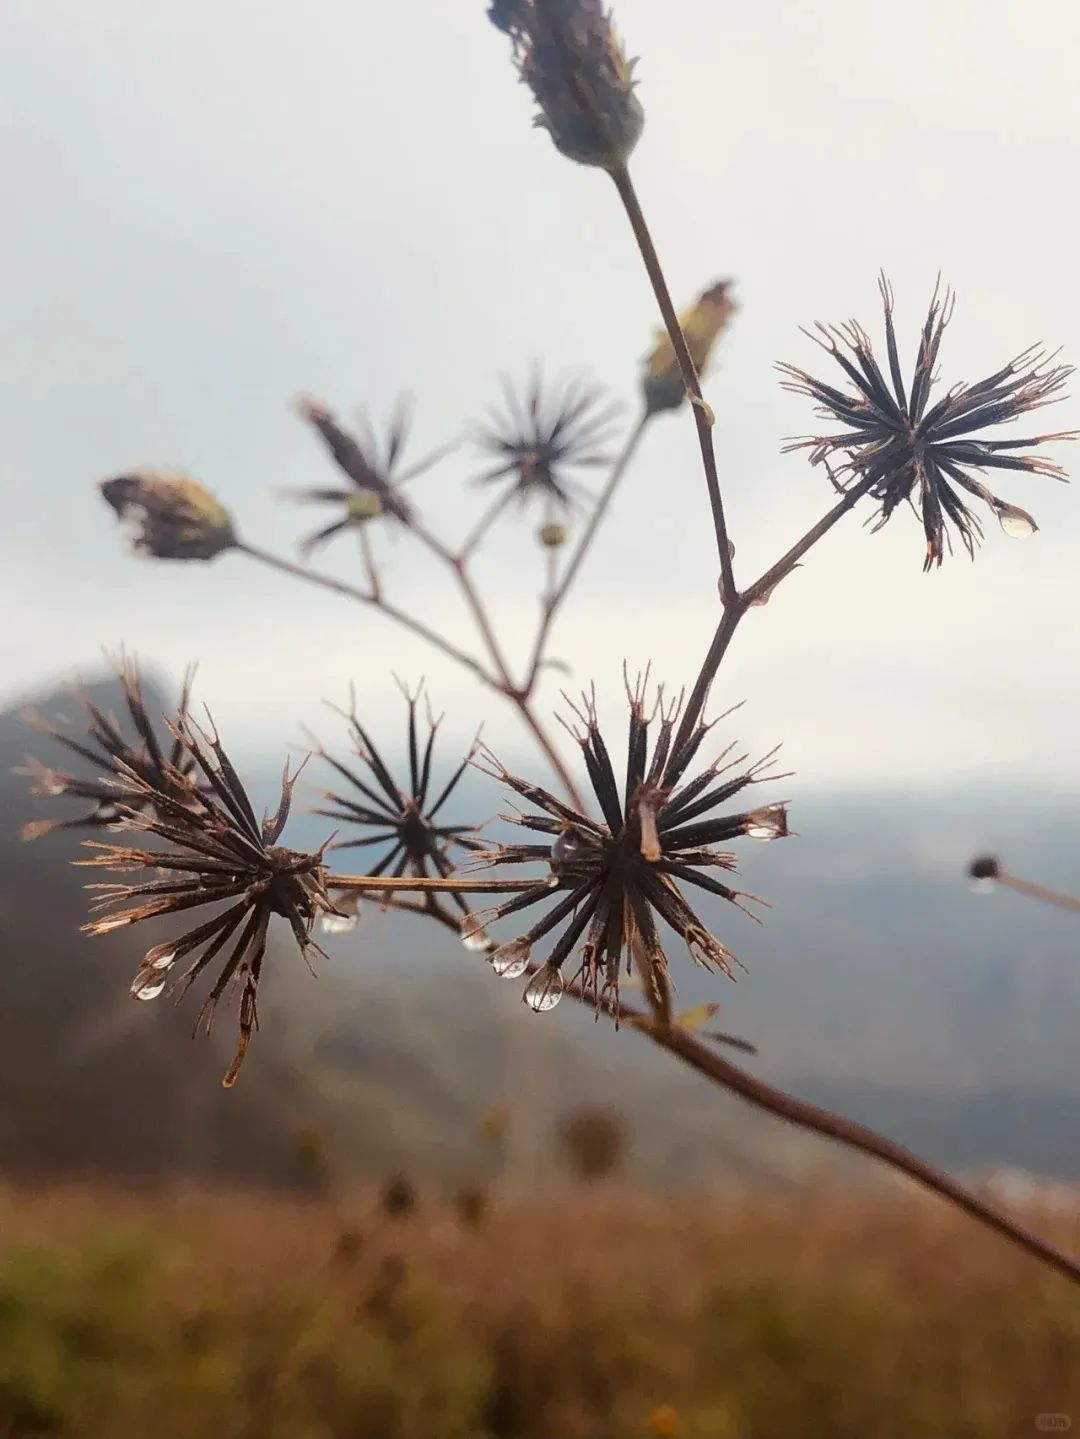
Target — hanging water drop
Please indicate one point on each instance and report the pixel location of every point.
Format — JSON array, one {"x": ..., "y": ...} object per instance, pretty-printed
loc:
[
  {"x": 981, "y": 885},
  {"x": 510, "y": 961},
  {"x": 1016, "y": 523},
  {"x": 478, "y": 941},
  {"x": 768, "y": 823},
  {"x": 148, "y": 984},
  {"x": 347, "y": 917},
  {"x": 338, "y": 923},
  {"x": 544, "y": 990},
  {"x": 161, "y": 958},
  {"x": 568, "y": 851}
]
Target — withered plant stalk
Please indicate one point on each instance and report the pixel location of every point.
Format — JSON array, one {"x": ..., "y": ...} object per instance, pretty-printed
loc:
[{"x": 611, "y": 876}]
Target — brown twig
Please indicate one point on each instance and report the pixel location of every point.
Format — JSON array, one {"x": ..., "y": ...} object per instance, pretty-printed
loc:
[
  {"x": 367, "y": 597},
  {"x": 558, "y": 593},
  {"x": 705, "y": 1059},
  {"x": 703, "y": 418},
  {"x": 1031, "y": 890}
]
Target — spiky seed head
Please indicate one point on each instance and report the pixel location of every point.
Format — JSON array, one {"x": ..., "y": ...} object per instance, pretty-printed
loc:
[
  {"x": 902, "y": 448},
  {"x": 612, "y": 880},
  {"x": 173, "y": 517}
]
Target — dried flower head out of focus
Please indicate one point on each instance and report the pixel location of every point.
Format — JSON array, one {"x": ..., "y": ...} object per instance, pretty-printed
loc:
[
  {"x": 903, "y": 451},
  {"x": 172, "y": 517},
  {"x": 401, "y": 820},
  {"x": 213, "y": 854},
  {"x": 539, "y": 438},
  {"x": 162, "y": 763},
  {"x": 569, "y": 55},
  {"x": 613, "y": 880},
  {"x": 702, "y": 324},
  {"x": 376, "y": 479}
]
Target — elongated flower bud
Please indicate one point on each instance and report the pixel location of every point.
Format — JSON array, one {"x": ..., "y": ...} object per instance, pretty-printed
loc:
[
  {"x": 702, "y": 324},
  {"x": 569, "y": 55},
  {"x": 174, "y": 518}
]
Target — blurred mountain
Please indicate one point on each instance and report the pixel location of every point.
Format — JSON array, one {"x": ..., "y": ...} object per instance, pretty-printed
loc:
[{"x": 878, "y": 984}]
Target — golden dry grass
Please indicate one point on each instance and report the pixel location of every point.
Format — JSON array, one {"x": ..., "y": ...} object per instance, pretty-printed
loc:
[{"x": 594, "y": 1315}]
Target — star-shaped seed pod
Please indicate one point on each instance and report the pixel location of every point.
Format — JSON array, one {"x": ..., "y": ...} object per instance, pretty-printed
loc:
[
  {"x": 375, "y": 471},
  {"x": 538, "y": 438},
  {"x": 614, "y": 880},
  {"x": 111, "y": 754},
  {"x": 903, "y": 449},
  {"x": 219, "y": 855},
  {"x": 401, "y": 822}
]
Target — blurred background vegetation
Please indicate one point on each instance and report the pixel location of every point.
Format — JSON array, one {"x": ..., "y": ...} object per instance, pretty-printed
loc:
[{"x": 424, "y": 1212}]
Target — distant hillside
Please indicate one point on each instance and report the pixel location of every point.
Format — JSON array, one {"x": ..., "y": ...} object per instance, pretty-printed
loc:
[{"x": 878, "y": 983}]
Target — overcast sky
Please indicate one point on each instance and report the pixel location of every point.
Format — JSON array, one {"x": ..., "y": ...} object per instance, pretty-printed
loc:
[{"x": 210, "y": 208}]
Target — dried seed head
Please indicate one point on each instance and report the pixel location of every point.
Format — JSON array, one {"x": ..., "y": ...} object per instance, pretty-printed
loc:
[
  {"x": 373, "y": 468},
  {"x": 569, "y": 55},
  {"x": 906, "y": 450},
  {"x": 215, "y": 854},
  {"x": 541, "y": 435},
  {"x": 173, "y": 517},
  {"x": 400, "y": 825},
  {"x": 110, "y": 753},
  {"x": 985, "y": 866},
  {"x": 702, "y": 324},
  {"x": 613, "y": 880}
]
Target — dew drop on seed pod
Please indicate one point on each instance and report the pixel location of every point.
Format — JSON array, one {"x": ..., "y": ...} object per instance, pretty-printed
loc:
[
  {"x": 510, "y": 961},
  {"x": 147, "y": 986},
  {"x": 544, "y": 990},
  {"x": 338, "y": 923},
  {"x": 477, "y": 941},
  {"x": 767, "y": 824},
  {"x": 981, "y": 886},
  {"x": 162, "y": 958},
  {"x": 1016, "y": 522},
  {"x": 569, "y": 848}
]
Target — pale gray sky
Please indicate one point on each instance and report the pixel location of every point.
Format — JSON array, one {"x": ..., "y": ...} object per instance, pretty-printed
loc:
[{"x": 211, "y": 208}]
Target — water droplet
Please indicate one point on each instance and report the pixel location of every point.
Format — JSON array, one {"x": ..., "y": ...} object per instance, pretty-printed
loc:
[
  {"x": 510, "y": 961},
  {"x": 1016, "y": 522},
  {"x": 544, "y": 990},
  {"x": 347, "y": 918},
  {"x": 982, "y": 886},
  {"x": 478, "y": 941},
  {"x": 768, "y": 823},
  {"x": 148, "y": 984},
  {"x": 569, "y": 849},
  {"x": 161, "y": 958},
  {"x": 338, "y": 923}
]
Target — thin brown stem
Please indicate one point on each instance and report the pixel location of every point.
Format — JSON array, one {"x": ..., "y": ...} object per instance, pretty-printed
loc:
[
  {"x": 557, "y": 594},
  {"x": 703, "y": 417},
  {"x": 762, "y": 588},
  {"x": 518, "y": 697},
  {"x": 484, "y": 523},
  {"x": 366, "y": 597},
  {"x": 759, "y": 591},
  {"x": 425, "y": 884},
  {"x": 704, "y": 1058},
  {"x": 854, "y": 1136},
  {"x": 729, "y": 622},
  {"x": 1031, "y": 890},
  {"x": 370, "y": 568}
]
